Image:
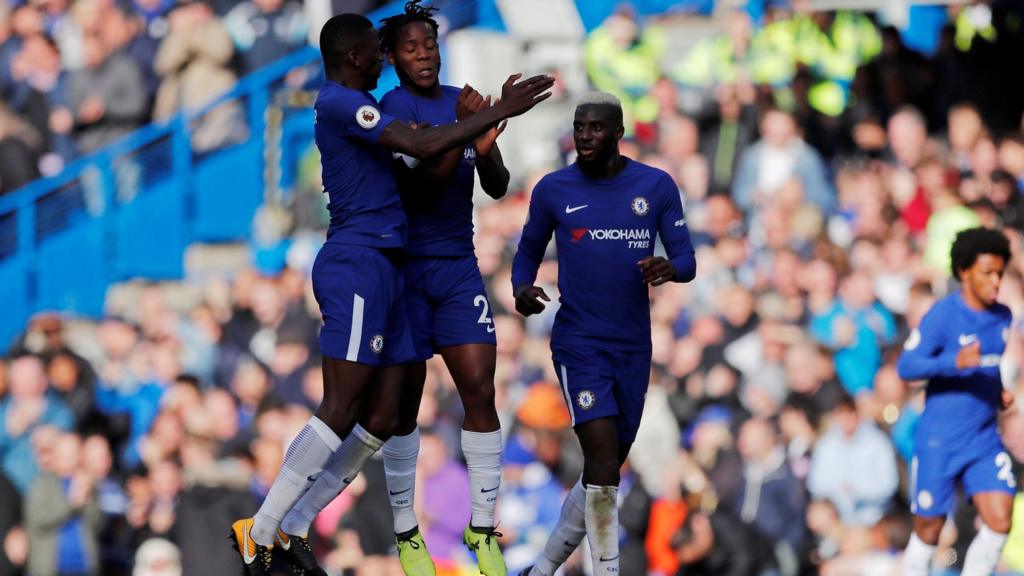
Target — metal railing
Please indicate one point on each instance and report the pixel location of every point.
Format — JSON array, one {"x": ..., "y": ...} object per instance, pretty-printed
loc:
[{"x": 130, "y": 209}]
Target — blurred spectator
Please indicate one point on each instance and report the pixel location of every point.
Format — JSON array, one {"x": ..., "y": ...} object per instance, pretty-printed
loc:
[
  {"x": 266, "y": 30},
  {"x": 157, "y": 557},
  {"x": 17, "y": 160},
  {"x": 528, "y": 505},
  {"x": 123, "y": 32},
  {"x": 854, "y": 467},
  {"x": 194, "y": 61},
  {"x": 443, "y": 506},
  {"x": 772, "y": 500},
  {"x": 725, "y": 139},
  {"x": 718, "y": 544},
  {"x": 856, "y": 328},
  {"x": 107, "y": 96},
  {"x": 27, "y": 408},
  {"x": 10, "y": 526},
  {"x": 622, "y": 57},
  {"x": 62, "y": 515},
  {"x": 781, "y": 169}
]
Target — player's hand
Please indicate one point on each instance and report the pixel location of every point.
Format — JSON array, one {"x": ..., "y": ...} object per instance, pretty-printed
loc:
[
  {"x": 468, "y": 103},
  {"x": 656, "y": 270},
  {"x": 485, "y": 143},
  {"x": 969, "y": 356},
  {"x": 528, "y": 300},
  {"x": 517, "y": 98},
  {"x": 1008, "y": 399}
]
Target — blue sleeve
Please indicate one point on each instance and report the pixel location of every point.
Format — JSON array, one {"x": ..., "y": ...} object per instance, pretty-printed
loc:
[
  {"x": 540, "y": 223},
  {"x": 674, "y": 232},
  {"x": 354, "y": 114},
  {"x": 923, "y": 357}
]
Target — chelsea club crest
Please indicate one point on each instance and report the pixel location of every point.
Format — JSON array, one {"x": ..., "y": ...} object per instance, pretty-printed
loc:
[{"x": 640, "y": 206}]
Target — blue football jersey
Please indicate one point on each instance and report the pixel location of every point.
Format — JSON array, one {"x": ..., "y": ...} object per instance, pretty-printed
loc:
[
  {"x": 440, "y": 215},
  {"x": 959, "y": 403},
  {"x": 603, "y": 228},
  {"x": 357, "y": 172}
]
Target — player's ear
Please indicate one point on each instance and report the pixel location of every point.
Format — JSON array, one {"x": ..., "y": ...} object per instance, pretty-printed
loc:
[
  {"x": 619, "y": 132},
  {"x": 390, "y": 57}
]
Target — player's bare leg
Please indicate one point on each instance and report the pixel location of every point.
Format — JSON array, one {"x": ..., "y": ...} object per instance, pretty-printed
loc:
[
  {"x": 472, "y": 369},
  {"x": 917, "y": 558},
  {"x": 995, "y": 509}
]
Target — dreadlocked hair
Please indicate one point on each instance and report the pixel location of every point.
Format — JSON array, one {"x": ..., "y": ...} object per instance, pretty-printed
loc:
[{"x": 390, "y": 26}]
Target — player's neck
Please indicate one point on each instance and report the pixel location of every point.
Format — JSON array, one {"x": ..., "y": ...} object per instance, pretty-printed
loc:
[
  {"x": 972, "y": 301},
  {"x": 602, "y": 170},
  {"x": 432, "y": 92},
  {"x": 349, "y": 79}
]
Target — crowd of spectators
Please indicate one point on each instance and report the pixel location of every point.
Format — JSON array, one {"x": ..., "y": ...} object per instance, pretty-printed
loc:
[
  {"x": 76, "y": 75},
  {"x": 777, "y": 435}
]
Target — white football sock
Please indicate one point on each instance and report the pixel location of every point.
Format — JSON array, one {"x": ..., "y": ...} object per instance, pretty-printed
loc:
[
  {"x": 602, "y": 522},
  {"x": 483, "y": 459},
  {"x": 338, "y": 472},
  {"x": 917, "y": 558},
  {"x": 983, "y": 553},
  {"x": 303, "y": 462},
  {"x": 400, "y": 453},
  {"x": 567, "y": 535}
]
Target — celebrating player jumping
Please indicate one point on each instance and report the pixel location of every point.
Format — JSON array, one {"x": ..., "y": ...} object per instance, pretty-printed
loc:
[
  {"x": 957, "y": 349},
  {"x": 357, "y": 282},
  {"x": 605, "y": 211}
]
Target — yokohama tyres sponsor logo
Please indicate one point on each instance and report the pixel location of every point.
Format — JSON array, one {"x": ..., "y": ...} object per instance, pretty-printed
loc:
[{"x": 620, "y": 234}]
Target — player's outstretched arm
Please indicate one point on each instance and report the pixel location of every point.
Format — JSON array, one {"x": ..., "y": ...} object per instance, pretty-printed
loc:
[
  {"x": 923, "y": 356},
  {"x": 438, "y": 169},
  {"x": 516, "y": 98},
  {"x": 494, "y": 177}
]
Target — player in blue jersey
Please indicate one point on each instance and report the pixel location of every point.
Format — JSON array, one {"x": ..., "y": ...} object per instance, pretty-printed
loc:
[
  {"x": 365, "y": 340},
  {"x": 446, "y": 300},
  {"x": 449, "y": 311},
  {"x": 605, "y": 212},
  {"x": 957, "y": 350}
]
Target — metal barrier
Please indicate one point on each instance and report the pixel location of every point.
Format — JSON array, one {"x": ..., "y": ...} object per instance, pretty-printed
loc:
[{"x": 130, "y": 209}]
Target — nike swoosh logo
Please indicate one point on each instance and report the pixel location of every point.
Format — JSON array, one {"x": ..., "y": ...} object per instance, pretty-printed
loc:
[
  {"x": 346, "y": 481},
  {"x": 968, "y": 339},
  {"x": 490, "y": 329},
  {"x": 603, "y": 559},
  {"x": 399, "y": 492},
  {"x": 246, "y": 557},
  {"x": 488, "y": 490},
  {"x": 311, "y": 478},
  {"x": 569, "y": 544},
  {"x": 571, "y": 209}
]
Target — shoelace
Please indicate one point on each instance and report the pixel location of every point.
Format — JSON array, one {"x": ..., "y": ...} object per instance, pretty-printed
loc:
[
  {"x": 266, "y": 555},
  {"x": 411, "y": 542},
  {"x": 475, "y": 546}
]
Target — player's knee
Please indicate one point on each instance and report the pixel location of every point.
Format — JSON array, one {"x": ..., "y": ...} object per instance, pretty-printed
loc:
[
  {"x": 601, "y": 472},
  {"x": 928, "y": 529},
  {"x": 382, "y": 425},
  {"x": 999, "y": 521}
]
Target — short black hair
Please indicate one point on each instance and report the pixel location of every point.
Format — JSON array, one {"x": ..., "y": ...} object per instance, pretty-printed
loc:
[
  {"x": 390, "y": 26},
  {"x": 339, "y": 35},
  {"x": 973, "y": 242}
]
